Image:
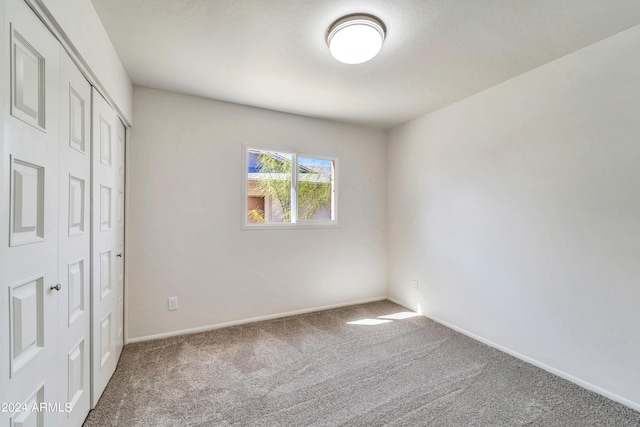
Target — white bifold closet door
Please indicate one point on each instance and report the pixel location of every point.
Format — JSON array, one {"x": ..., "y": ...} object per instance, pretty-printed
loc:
[
  {"x": 108, "y": 242},
  {"x": 46, "y": 260},
  {"x": 30, "y": 262},
  {"x": 74, "y": 256}
]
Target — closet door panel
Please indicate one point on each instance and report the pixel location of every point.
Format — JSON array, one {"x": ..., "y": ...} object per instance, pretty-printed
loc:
[
  {"x": 30, "y": 254},
  {"x": 120, "y": 255},
  {"x": 74, "y": 243},
  {"x": 106, "y": 252}
]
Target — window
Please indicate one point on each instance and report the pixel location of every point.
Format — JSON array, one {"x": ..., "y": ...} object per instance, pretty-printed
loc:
[{"x": 278, "y": 197}]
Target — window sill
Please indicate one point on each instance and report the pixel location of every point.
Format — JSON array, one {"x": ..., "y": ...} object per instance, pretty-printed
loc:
[{"x": 290, "y": 226}]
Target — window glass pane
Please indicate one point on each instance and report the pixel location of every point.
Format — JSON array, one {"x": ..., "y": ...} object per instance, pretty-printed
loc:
[
  {"x": 269, "y": 186},
  {"x": 315, "y": 189}
]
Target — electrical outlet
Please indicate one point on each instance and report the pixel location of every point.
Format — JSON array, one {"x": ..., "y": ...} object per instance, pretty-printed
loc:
[
  {"x": 173, "y": 303},
  {"x": 414, "y": 284}
]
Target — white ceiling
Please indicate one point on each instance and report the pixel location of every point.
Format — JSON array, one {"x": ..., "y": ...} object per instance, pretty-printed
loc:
[{"x": 273, "y": 54}]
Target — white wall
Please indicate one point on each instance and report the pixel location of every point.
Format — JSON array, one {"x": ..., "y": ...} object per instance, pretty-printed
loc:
[
  {"x": 185, "y": 215},
  {"x": 80, "y": 23},
  {"x": 518, "y": 211}
]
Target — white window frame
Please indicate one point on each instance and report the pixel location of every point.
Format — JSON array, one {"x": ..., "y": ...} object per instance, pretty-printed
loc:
[{"x": 294, "y": 224}]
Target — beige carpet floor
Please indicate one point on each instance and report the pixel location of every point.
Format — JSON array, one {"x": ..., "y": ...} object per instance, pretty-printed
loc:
[{"x": 320, "y": 370}]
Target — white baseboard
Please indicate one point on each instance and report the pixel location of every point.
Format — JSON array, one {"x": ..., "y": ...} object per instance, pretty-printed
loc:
[
  {"x": 557, "y": 372},
  {"x": 250, "y": 320},
  {"x": 400, "y": 303}
]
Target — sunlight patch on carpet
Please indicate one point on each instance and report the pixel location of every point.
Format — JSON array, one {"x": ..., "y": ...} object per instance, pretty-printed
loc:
[
  {"x": 399, "y": 316},
  {"x": 369, "y": 322}
]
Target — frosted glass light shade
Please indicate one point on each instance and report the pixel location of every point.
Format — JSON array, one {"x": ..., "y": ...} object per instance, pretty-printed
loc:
[{"x": 355, "y": 39}]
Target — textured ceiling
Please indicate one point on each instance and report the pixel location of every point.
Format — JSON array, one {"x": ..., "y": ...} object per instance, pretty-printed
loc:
[{"x": 272, "y": 53}]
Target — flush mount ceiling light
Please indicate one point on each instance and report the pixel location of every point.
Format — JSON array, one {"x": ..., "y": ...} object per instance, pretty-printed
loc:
[{"x": 354, "y": 39}]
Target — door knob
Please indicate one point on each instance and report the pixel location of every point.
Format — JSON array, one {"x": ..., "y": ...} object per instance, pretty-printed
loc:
[
  {"x": 56, "y": 287},
  {"x": 119, "y": 255}
]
